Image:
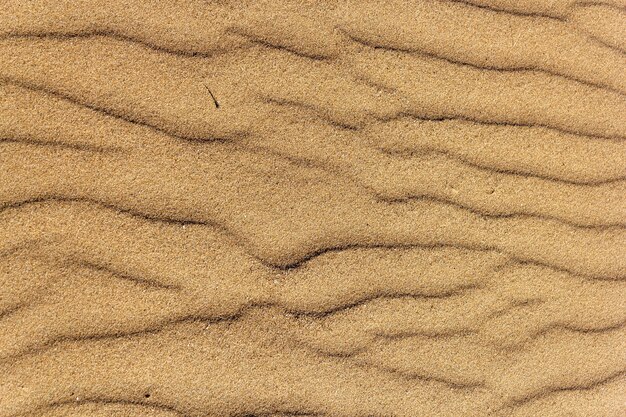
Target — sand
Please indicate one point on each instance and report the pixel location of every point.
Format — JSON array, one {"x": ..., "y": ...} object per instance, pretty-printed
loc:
[{"x": 302, "y": 208}]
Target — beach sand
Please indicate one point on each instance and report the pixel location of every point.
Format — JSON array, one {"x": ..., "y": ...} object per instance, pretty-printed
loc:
[{"x": 303, "y": 208}]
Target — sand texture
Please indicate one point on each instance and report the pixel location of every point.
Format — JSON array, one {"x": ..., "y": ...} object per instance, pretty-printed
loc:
[{"x": 312, "y": 208}]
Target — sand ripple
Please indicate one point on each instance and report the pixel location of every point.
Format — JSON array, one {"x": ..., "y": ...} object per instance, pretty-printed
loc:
[{"x": 294, "y": 209}]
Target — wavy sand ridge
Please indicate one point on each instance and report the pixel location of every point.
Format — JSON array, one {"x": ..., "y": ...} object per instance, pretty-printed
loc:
[{"x": 289, "y": 209}]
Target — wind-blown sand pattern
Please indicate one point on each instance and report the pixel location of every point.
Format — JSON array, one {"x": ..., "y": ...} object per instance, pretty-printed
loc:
[{"x": 298, "y": 208}]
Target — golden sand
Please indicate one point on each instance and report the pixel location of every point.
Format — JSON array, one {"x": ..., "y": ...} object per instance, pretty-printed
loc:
[{"x": 305, "y": 208}]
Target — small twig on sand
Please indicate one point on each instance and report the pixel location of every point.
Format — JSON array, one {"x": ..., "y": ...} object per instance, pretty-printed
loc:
[{"x": 217, "y": 105}]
